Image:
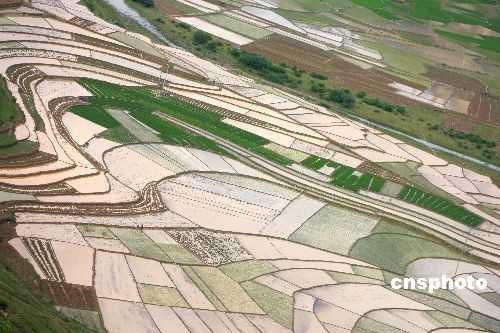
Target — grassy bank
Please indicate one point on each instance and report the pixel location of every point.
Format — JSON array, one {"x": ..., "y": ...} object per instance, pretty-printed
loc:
[
  {"x": 10, "y": 114},
  {"x": 23, "y": 308}
]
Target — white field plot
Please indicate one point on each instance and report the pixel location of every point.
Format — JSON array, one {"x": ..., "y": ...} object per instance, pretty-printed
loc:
[
  {"x": 201, "y": 5},
  {"x": 275, "y": 277},
  {"x": 270, "y": 16},
  {"x": 216, "y": 30}
]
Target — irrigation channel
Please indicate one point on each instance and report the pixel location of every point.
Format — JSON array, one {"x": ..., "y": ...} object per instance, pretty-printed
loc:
[
  {"x": 124, "y": 9},
  {"x": 430, "y": 145}
]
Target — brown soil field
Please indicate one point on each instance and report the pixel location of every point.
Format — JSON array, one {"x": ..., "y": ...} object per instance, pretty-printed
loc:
[
  {"x": 281, "y": 49},
  {"x": 377, "y": 170},
  {"x": 63, "y": 294},
  {"x": 457, "y": 123},
  {"x": 71, "y": 295},
  {"x": 11, "y": 259},
  {"x": 169, "y": 9},
  {"x": 10, "y": 3},
  {"x": 483, "y": 107}
]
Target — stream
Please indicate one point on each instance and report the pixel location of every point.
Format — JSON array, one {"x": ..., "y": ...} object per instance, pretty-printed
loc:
[
  {"x": 124, "y": 9},
  {"x": 429, "y": 145}
]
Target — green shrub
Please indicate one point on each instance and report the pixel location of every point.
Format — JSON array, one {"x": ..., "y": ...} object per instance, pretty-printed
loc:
[
  {"x": 341, "y": 96},
  {"x": 319, "y": 76},
  {"x": 201, "y": 37},
  {"x": 146, "y": 3},
  {"x": 5, "y": 326}
]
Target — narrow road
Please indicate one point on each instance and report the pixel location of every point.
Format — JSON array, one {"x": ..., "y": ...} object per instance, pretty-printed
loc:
[{"x": 447, "y": 229}]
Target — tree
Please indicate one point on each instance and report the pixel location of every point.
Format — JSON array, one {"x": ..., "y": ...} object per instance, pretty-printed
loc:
[
  {"x": 361, "y": 94},
  {"x": 146, "y": 3},
  {"x": 212, "y": 46},
  {"x": 319, "y": 76},
  {"x": 201, "y": 37},
  {"x": 254, "y": 61}
]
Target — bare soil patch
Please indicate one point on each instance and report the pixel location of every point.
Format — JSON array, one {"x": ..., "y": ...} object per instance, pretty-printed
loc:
[
  {"x": 284, "y": 50},
  {"x": 483, "y": 106},
  {"x": 458, "y": 123},
  {"x": 71, "y": 295}
]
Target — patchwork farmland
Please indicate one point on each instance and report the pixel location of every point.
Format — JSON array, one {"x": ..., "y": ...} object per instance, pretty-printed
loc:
[{"x": 146, "y": 189}]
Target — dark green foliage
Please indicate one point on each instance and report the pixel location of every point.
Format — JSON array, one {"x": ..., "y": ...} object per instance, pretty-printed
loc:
[
  {"x": 473, "y": 138},
  {"x": 9, "y": 111},
  {"x": 319, "y": 76},
  {"x": 361, "y": 94},
  {"x": 96, "y": 114},
  {"x": 5, "y": 326},
  {"x": 318, "y": 88},
  {"x": 201, "y": 37},
  {"x": 314, "y": 162},
  {"x": 212, "y": 46},
  {"x": 439, "y": 205},
  {"x": 265, "y": 68},
  {"x": 388, "y": 107},
  {"x": 341, "y": 96},
  {"x": 253, "y": 60},
  {"x": 146, "y": 3}
]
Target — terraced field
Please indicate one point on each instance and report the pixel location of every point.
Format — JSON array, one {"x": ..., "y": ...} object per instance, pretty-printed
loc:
[
  {"x": 164, "y": 193},
  {"x": 345, "y": 176}
]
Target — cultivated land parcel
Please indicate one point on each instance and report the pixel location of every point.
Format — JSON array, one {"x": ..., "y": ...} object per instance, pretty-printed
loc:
[{"x": 146, "y": 189}]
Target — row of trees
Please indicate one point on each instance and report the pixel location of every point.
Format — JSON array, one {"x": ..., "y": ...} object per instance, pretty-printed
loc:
[
  {"x": 279, "y": 74},
  {"x": 473, "y": 138},
  {"x": 388, "y": 107},
  {"x": 265, "y": 68}
]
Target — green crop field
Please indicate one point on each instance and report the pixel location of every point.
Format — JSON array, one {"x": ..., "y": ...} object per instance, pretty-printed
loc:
[
  {"x": 142, "y": 104},
  {"x": 483, "y": 42},
  {"x": 345, "y": 176},
  {"x": 435, "y": 10},
  {"x": 439, "y": 205}
]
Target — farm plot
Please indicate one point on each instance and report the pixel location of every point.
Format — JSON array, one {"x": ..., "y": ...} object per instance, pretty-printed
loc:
[
  {"x": 216, "y": 30},
  {"x": 439, "y": 205},
  {"x": 334, "y": 229},
  {"x": 280, "y": 49},
  {"x": 236, "y": 25},
  {"x": 80, "y": 129},
  {"x": 141, "y": 131},
  {"x": 230, "y": 293},
  {"x": 113, "y": 278},
  {"x": 394, "y": 252},
  {"x": 270, "y": 16},
  {"x": 158, "y": 295},
  {"x": 482, "y": 106},
  {"x": 212, "y": 248},
  {"x": 345, "y": 176},
  {"x": 139, "y": 244}
]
